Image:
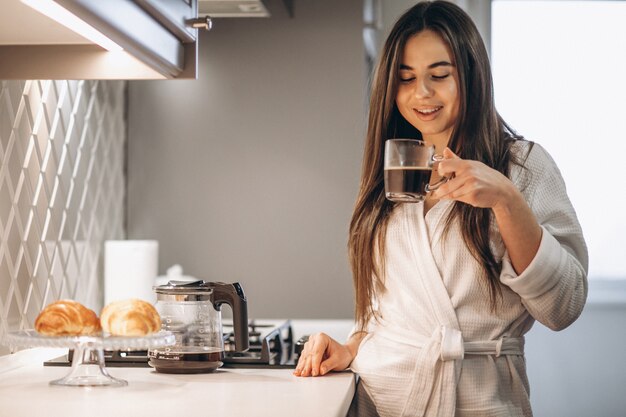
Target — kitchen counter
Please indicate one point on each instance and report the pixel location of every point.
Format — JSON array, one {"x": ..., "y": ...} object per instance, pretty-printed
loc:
[{"x": 24, "y": 389}]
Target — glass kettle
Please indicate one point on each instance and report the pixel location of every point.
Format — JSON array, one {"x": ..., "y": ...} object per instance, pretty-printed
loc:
[{"x": 192, "y": 312}]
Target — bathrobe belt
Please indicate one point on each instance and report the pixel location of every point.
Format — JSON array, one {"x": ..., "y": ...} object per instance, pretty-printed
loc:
[{"x": 438, "y": 365}]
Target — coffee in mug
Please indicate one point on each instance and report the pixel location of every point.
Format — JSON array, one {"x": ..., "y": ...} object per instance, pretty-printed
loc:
[{"x": 408, "y": 168}]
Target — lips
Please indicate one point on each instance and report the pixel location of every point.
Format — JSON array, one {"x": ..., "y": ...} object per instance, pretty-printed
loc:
[{"x": 427, "y": 113}]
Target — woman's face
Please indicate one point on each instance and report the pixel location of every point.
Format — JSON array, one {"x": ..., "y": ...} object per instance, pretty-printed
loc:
[{"x": 428, "y": 90}]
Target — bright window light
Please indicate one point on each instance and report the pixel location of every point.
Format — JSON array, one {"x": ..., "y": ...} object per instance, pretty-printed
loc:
[
  {"x": 60, "y": 14},
  {"x": 559, "y": 80}
]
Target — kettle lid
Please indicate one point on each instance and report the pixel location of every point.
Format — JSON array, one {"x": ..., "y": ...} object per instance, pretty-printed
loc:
[{"x": 184, "y": 287}]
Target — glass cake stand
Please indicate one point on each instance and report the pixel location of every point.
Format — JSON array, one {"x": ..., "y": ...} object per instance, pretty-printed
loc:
[{"x": 88, "y": 368}]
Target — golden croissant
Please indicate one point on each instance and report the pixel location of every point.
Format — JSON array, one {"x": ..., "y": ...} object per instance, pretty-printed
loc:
[
  {"x": 67, "y": 318},
  {"x": 130, "y": 318}
]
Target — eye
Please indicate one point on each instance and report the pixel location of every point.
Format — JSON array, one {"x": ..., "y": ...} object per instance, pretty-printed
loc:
[
  {"x": 406, "y": 80},
  {"x": 440, "y": 77}
]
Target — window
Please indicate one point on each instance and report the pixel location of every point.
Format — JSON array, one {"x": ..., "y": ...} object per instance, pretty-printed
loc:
[{"x": 560, "y": 80}]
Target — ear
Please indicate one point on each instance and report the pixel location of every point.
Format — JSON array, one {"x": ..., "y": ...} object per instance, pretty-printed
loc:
[{"x": 448, "y": 154}]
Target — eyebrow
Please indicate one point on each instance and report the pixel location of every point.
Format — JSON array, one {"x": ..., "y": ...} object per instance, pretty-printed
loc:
[{"x": 431, "y": 66}]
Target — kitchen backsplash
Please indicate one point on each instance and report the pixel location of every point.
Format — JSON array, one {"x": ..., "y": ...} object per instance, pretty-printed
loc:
[{"x": 62, "y": 192}]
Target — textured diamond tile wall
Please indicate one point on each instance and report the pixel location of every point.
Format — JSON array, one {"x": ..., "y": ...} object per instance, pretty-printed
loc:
[{"x": 62, "y": 190}]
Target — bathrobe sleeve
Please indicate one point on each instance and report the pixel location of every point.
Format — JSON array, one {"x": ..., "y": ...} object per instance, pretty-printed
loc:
[{"x": 553, "y": 288}]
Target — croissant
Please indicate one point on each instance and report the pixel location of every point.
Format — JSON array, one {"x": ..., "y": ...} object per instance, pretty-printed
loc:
[
  {"x": 130, "y": 318},
  {"x": 67, "y": 318}
]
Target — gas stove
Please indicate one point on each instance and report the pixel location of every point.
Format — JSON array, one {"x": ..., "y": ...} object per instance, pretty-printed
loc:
[{"x": 271, "y": 346}]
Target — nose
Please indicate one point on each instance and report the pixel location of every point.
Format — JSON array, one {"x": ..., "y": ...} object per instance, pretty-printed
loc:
[{"x": 422, "y": 89}]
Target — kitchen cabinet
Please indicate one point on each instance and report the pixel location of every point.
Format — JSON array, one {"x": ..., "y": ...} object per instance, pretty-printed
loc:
[
  {"x": 156, "y": 38},
  {"x": 24, "y": 389}
]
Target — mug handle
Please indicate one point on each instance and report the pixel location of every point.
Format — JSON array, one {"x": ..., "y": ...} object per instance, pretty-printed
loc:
[{"x": 443, "y": 180}]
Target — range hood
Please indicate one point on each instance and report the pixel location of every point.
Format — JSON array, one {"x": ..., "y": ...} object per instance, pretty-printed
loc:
[
  {"x": 239, "y": 8},
  {"x": 156, "y": 38},
  {"x": 232, "y": 8}
]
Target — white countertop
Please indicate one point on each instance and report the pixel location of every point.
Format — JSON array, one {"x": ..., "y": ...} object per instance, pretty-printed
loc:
[{"x": 24, "y": 389}]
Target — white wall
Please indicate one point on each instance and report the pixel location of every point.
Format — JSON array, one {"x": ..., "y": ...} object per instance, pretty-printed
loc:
[{"x": 580, "y": 371}]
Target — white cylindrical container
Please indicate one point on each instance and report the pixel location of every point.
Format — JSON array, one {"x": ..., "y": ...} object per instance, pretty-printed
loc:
[{"x": 130, "y": 269}]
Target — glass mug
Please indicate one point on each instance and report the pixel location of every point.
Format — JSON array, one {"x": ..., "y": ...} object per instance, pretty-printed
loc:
[{"x": 408, "y": 167}]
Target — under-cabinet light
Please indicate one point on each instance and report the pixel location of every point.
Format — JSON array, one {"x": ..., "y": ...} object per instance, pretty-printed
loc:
[{"x": 63, "y": 16}]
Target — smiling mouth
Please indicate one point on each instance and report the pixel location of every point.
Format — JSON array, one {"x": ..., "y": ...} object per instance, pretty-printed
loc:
[{"x": 429, "y": 111}]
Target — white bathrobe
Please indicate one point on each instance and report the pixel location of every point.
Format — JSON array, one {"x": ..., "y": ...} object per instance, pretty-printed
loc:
[{"x": 438, "y": 349}]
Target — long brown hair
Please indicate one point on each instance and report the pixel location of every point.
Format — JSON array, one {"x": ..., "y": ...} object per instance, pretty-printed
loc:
[{"x": 479, "y": 134}]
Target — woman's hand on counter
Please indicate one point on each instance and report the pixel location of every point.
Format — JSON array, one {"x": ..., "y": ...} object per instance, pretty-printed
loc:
[{"x": 322, "y": 354}]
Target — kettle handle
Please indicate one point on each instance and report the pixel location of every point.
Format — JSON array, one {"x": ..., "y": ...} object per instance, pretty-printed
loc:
[{"x": 233, "y": 295}]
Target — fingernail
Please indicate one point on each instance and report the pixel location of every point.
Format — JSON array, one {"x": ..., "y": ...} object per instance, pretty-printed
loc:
[
  {"x": 323, "y": 370},
  {"x": 314, "y": 373}
]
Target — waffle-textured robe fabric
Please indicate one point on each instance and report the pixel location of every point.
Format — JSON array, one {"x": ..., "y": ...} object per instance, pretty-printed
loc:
[{"x": 438, "y": 349}]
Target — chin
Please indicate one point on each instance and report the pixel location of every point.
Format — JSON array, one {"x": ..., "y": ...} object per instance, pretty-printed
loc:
[{"x": 430, "y": 132}]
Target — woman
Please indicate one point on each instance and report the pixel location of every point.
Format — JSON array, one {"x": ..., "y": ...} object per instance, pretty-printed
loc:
[{"x": 446, "y": 289}]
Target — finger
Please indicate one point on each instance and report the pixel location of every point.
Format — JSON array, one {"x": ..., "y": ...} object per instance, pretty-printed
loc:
[
  {"x": 316, "y": 360},
  {"x": 306, "y": 369},
  {"x": 449, "y": 164},
  {"x": 317, "y": 354},
  {"x": 447, "y": 167},
  {"x": 328, "y": 365},
  {"x": 462, "y": 194},
  {"x": 448, "y": 154},
  {"x": 306, "y": 349},
  {"x": 300, "y": 364},
  {"x": 451, "y": 186}
]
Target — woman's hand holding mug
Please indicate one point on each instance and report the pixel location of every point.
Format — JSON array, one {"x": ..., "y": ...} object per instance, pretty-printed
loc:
[{"x": 474, "y": 183}]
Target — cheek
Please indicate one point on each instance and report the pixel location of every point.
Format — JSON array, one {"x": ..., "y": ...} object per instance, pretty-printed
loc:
[
  {"x": 402, "y": 98},
  {"x": 402, "y": 102},
  {"x": 452, "y": 99},
  {"x": 455, "y": 107},
  {"x": 452, "y": 95}
]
